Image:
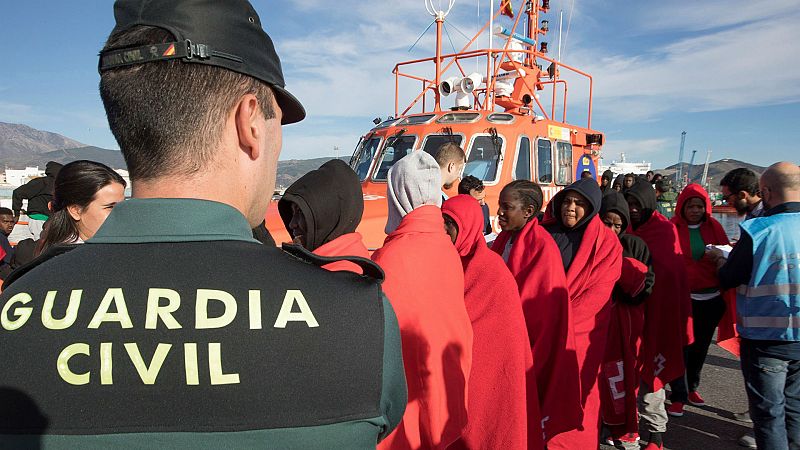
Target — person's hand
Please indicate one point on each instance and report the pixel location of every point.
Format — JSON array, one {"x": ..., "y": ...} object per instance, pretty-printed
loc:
[{"x": 716, "y": 256}]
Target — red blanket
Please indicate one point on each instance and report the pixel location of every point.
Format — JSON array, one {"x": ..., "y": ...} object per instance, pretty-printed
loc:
[
  {"x": 425, "y": 285},
  {"x": 590, "y": 278},
  {"x": 536, "y": 264},
  {"x": 350, "y": 244},
  {"x": 619, "y": 378},
  {"x": 703, "y": 273},
  {"x": 668, "y": 310},
  {"x": 501, "y": 352}
]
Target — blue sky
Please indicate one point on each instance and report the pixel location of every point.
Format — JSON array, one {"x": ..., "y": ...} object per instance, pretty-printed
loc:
[{"x": 725, "y": 71}]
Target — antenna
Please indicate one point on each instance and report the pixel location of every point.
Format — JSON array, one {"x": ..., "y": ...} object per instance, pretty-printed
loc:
[
  {"x": 439, "y": 16},
  {"x": 679, "y": 173}
]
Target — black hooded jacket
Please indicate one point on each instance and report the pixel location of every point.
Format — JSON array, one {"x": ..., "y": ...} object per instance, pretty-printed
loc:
[
  {"x": 569, "y": 239},
  {"x": 632, "y": 247},
  {"x": 644, "y": 193},
  {"x": 331, "y": 201},
  {"x": 39, "y": 192},
  {"x": 608, "y": 175}
]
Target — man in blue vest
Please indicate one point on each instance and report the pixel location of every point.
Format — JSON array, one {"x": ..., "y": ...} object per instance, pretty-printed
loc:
[{"x": 765, "y": 265}]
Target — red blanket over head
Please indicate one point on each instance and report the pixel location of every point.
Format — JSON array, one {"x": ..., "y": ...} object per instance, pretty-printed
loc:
[
  {"x": 703, "y": 273},
  {"x": 536, "y": 264},
  {"x": 590, "y": 279},
  {"x": 425, "y": 285},
  {"x": 501, "y": 353},
  {"x": 350, "y": 244},
  {"x": 668, "y": 310}
]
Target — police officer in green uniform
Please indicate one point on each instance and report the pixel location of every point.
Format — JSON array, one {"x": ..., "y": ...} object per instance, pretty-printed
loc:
[
  {"x": 173, "y": 327},
  {"x": 665, "y": 198}
]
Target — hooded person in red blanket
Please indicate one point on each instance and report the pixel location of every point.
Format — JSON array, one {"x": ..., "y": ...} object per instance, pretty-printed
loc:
[
  {"x": 592, "y": 259},
  {"x": 425, "y": 285},
  {"x": 501, "y": 353},
  {"x": 534, "y": 260},
  {"x": 321, "y": 211},
  {"x": 620, "y": 377},
  {"x": 696, "y": 229},
  {"x": 667, "y": 312}
]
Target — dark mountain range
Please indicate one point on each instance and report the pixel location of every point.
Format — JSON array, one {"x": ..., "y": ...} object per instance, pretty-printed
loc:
[
  {"x": 716, "y": 170},
  {"x": 19, "y": 143},
  {"x": 289, "y": 171}
]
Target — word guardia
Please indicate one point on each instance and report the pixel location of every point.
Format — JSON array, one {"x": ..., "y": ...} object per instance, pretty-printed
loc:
[{"x": 15, "y": 314}]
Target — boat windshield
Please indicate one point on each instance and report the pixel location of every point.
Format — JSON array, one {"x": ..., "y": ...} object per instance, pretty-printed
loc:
[
  {"x": 564, "y": 159},
  {"x": 544, "y": 161},
  {"x": 484, "y": 158},
  {"x": 394, "y": 149},
  {"x": 365, "y": 155},
  {"x": 434, "y": 141}
]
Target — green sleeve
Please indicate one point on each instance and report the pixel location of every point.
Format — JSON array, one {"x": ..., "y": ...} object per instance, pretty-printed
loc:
[{"x": 394, "y": 394}]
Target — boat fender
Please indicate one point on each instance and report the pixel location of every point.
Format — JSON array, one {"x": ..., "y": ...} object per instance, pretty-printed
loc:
[{"x": 369, "y": 268}]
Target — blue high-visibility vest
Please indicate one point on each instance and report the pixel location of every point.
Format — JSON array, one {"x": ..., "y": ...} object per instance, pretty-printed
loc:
[{"x": 768, "y": 307}]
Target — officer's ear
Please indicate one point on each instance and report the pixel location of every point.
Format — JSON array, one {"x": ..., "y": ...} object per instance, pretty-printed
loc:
[
  {"x": 75, "y": 212},
  {"x": 246, "y": 118}
]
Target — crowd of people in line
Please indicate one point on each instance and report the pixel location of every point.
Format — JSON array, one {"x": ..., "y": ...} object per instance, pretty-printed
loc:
[{"x": 562, "y": 331}]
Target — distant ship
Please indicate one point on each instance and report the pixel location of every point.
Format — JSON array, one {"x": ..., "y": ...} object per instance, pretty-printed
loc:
[{"x": 623, "y": 166}]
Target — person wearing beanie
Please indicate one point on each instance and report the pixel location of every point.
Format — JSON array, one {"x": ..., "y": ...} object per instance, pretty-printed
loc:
[
  {"x": 321, "y": 211},
  {"x": 606, "y": 180},
  {"x": 501, "y": 353},
  {"x": 592, "y": 259},
  {"x": 667, "y": 311},
  {"x": 425, "y": 285}
]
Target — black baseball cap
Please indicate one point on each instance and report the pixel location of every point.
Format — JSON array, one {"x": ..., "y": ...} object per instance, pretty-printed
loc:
[{"x": 222, "y": 33}]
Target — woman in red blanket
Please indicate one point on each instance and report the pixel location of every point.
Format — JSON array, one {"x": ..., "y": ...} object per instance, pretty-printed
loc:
[
  {"x": 696, "y": 229},
  {"x": 592, "y": 259},
  {"x": 425, "y": 285},
  {"x": 667, "y": 312},
  {"x": 533, "y": 258},
  {"x": 501, "y": 353},
  {"x": 321, "y": 211},
  {"x": 620, "y": 376}
]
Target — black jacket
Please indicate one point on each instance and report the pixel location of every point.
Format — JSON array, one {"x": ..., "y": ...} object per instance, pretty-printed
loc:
[
  {"x": 38, "y": 192},
  {"x": 569, "y": 239}
]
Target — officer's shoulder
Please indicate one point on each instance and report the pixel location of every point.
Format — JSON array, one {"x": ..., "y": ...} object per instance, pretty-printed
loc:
[{"x": 368, "y": 267}]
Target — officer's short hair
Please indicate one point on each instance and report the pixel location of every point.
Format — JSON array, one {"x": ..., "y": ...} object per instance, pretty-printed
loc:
[
  {"x": 450, "y": 152},
  {"x": 6, "y": 212},
  {"x": 167, "y": 116},
  {"x": 741, "y": 179}
]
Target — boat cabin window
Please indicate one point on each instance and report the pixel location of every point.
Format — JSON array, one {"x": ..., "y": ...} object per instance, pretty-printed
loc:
[
  {"x": 385, "y": 124},
  {"x": 364, "y": 157},
  {"x": 544, "y": 161},
  {"x": 500, "y": 117},
  {"x": 459, "y": 117},
  {"x": 564, "y": 160},
  {"x": 522, "y": 169},
  {"x": 434, "y": 141},
  {"x": 394, "y": 149},
  {"x": 415, "y": 120},
  {"x": 483, "y": 159}
]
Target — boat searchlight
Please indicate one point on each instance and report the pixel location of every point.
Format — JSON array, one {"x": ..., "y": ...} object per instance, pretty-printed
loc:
[{"x": 461, "y": 86}]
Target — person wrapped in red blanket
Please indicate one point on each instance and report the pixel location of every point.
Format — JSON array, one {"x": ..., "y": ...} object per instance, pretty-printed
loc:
[
  {"x": 696, "y": 229},
  {"x": 501, "y": 353},
  {"x": 620, "y": 377},
  {"x": 425, "y": 285},
  {"x": 533, "y": 258},
  {"x": 668, "y": 311},
  {"x": 592, "y": 259},
  {"x": 321, "y": 211}
]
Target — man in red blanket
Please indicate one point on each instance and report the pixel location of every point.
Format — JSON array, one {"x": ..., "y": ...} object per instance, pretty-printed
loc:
[
  {"x": 696, "y": 229},
  {"x": 501, "y": 353},
  {"x": 425, "y": 284},
  {"x": 620, "y": 376},
  {"x": 592, "y": 259},
  {"x": 667, "y": 312},
  {"x": 321, "y": 211},
  {"x": 534, "y": 260}
]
